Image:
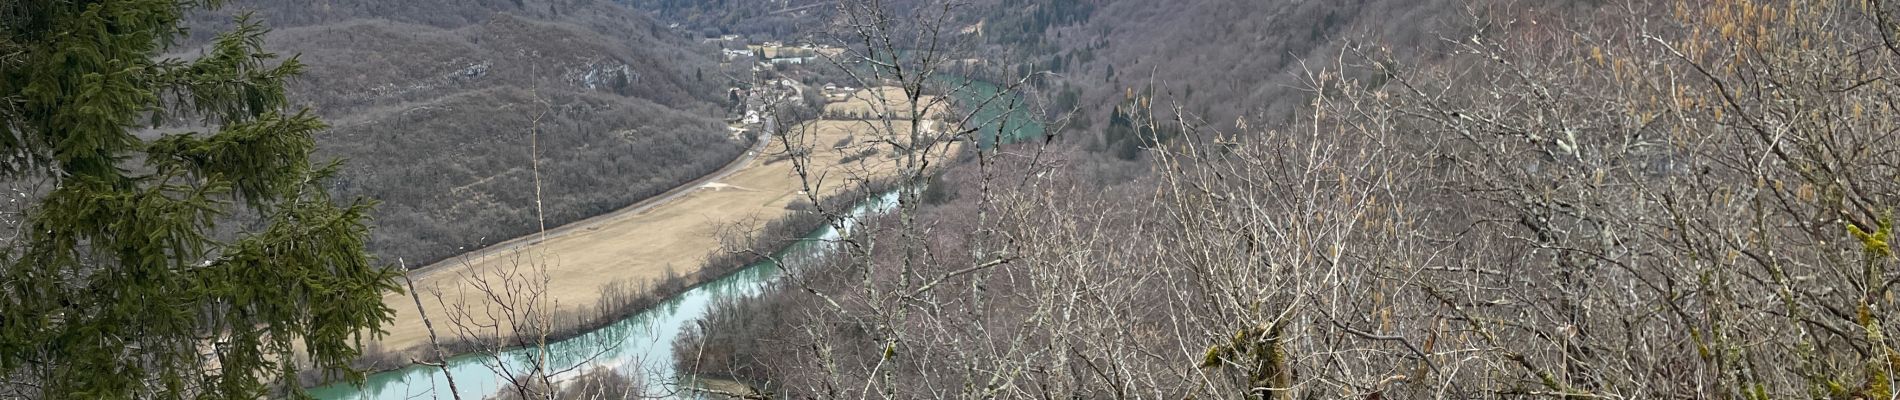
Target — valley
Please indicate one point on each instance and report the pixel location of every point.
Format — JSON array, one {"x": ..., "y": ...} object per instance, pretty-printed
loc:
[
  {"x": 585, "y": 278},
  {"x": 668, "y": 236},
  {"x": 949, "y": 199}
]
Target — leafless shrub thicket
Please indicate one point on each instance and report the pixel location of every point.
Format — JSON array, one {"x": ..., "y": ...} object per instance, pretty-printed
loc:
[
  {"x": 1668, "y": 200},
  {"x": 593, "y": 384},
  {"x": 1677, "y": 200}
]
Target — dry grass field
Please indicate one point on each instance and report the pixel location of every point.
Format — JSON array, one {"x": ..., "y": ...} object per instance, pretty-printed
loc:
[{"x": 672, "y": 235}]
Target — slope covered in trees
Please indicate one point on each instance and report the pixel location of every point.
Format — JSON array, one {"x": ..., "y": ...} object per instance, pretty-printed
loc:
[
  {"x": 434, "y": 102},
  {"x": 1560, "y": 199},
  {"x": 760, "y": 18},
  {"x": 1218, "y": 59}
]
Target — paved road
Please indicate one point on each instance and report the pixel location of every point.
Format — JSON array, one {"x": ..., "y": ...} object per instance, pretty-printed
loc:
[{"x": 511, "y": 245}]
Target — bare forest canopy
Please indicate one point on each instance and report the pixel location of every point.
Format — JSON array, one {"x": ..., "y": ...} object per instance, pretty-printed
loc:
[
  {"x": 1218, "y": 60},
  {"x": 774, "y": 19},
  {"x": 1383, "y": 199},
  {"x": 432, "y": 104}
]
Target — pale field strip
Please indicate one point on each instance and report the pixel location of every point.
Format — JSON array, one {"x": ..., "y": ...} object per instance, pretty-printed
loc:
[
  {"x": 863, "y": 103},
  {"x": 674, "y": 233},
  {"x": 776, "y": 51}
]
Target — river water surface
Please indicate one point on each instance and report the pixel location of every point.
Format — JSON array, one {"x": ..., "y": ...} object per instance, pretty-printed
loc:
[{"x": 641, "y": 345}]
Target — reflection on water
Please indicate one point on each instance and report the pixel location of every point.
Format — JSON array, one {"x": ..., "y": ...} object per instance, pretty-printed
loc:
[
  {"x": 1004, "y": 117},
  {"x": 641, "y": 345}
]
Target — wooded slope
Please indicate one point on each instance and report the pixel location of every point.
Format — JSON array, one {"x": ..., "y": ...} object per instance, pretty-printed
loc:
[{"x": 432, "y": 104}]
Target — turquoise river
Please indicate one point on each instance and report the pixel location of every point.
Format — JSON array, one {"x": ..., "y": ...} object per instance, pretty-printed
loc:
[{"x": 642, "y": 345}]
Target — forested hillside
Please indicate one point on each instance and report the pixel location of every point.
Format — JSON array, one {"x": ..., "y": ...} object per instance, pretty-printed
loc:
[
  {"x": 432, "y": 105},
  {"x": 760, "y": 18},
  {"x": 1387, "y": 199},
  {"x": 1228, "y": 57},
  {"x": 1219, "y": 59}
]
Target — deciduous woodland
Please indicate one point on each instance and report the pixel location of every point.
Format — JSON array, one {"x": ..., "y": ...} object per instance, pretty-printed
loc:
[
  {"x": 1545, "y": 199},
  {"x": 433, "y": 105}
]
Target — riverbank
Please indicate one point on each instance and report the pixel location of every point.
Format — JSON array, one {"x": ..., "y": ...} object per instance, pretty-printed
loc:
[
  {"x": 639, "y": 347},
  {"x": 744, "y": 344},
  {"x": 641, "y": 249}
]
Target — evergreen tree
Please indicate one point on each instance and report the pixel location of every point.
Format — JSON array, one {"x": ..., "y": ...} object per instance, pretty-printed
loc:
[{"x": 129, "y": 276}]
